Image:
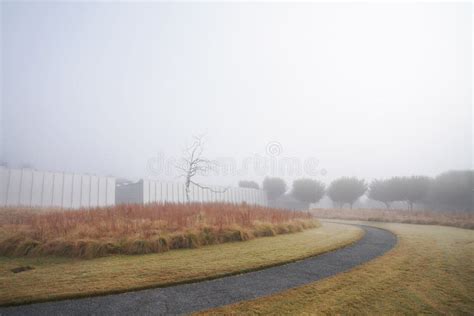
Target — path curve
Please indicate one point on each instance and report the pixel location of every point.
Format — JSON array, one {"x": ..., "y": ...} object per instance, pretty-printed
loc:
[{"x": 193, "y": 297}]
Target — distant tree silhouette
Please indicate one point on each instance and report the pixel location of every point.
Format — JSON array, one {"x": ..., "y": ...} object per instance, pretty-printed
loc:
[
  {"x": 414, "y": 189},
  {"x": 275, "y": 187},
  {"x": 454, "y": 190},
  {"x": 383, "y": 191},
  {"x": 346, "y": 190},
  {"x": 249, "y": 184},
  {"x": 308, "y": 190}
]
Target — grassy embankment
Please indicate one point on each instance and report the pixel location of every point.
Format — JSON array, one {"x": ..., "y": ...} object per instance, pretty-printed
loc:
[
  {"x": 455, "y": 219},
  {"x": 138, "y": 229},
  {"x": 61, "y": 277},
  {"x": 431, "y": 271}
]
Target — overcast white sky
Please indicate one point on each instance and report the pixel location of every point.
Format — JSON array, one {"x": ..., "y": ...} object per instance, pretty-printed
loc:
[{"x": 369, "y": 90}]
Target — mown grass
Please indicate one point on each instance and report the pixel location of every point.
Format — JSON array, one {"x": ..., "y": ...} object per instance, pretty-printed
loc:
[
  {"x": 431, "y": 271},
  {"x": 139, "y": 229},
  {"x": 58, "y": 277},
  {"x": 455, "y": 219}
]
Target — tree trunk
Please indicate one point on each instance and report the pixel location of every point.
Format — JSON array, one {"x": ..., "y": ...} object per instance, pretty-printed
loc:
[
  {"x": 187, "y": 194},
  {"x": 188, "y": 182}
]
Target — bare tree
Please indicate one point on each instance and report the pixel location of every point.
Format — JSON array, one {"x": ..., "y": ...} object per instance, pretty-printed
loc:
[{"x": 193, "y": 164}]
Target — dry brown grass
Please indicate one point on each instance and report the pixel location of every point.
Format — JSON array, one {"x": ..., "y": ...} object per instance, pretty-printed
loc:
[
  {"x": 455, "y": 219},
  {"x": 139, "y": 229}
]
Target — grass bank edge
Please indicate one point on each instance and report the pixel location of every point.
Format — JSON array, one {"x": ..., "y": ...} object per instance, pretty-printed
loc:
[
  {"x": 377, "y": 223},
  {"x": 464, "y": 220}
]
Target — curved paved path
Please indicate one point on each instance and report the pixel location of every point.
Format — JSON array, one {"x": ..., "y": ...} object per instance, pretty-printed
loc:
[{"x": 227, "y": 290}]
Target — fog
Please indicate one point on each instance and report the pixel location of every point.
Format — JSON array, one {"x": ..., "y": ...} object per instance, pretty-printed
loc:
[{"x": 364, "y": 90}]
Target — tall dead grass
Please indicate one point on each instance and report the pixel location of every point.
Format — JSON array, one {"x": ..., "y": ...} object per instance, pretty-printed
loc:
[
  {"x": 455, "y": 219},
  {"x": 139, "y": 229}
]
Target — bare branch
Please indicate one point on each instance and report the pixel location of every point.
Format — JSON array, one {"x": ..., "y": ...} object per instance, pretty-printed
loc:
[{"x": 209, "y": 188}]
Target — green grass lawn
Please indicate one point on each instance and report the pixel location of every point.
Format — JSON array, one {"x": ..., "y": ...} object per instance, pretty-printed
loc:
[
  {"x": 56, "y": 278},
  {"x": 431, "y": 271}
]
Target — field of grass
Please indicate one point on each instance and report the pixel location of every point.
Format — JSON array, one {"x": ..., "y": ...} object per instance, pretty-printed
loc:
[
  {"x": 455, "y": 219},
  {"x": 59, "y": 277},
  {"x": 139, "y": 229},
  {"x": 431, "y": 271}
]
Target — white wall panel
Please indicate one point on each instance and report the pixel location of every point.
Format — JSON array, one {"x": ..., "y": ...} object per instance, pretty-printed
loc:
[
  {"x": 146, "y": 192},
  {"x": 47, "y": 190},
  {"x": 174, "y": 193},
  {"x": 153, "y": 196},
  {"x": 205, "y": 195},
  {"x": 164, "y": 191},
  {"x": 25, "y": 189},
  {"x": 196, "y": 193},
  {"x": 102, "y": 191},
  {"x": 159, "y": 190},
  {"x": 67, "y": 191},
  {"x": 4, "y": 181},
  {"x": 182, "y": 193},
  {"x": 177, "y": 193},
  {"x": 76, "y": 190},
  {"x": 13, "y": 194},
  {"x": 37, "y": 190},
  {"x": 57, "y": 190},
  {"x": 94, "y": 191},
  {"x": 110, "y": 191},
  {"x": 85, "y": 190}
]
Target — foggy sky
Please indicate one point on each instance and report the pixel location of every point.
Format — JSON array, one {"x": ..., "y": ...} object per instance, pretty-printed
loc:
[{"x": 368, "y": 90}]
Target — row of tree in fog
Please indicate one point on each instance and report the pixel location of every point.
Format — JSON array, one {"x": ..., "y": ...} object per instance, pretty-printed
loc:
[{"x": 451, "y": 190}]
